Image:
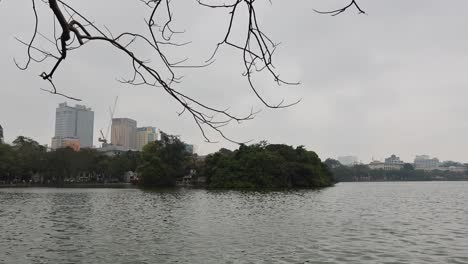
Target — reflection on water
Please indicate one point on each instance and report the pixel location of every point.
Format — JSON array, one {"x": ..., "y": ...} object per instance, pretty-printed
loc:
[{"x": 424, "y": 222}]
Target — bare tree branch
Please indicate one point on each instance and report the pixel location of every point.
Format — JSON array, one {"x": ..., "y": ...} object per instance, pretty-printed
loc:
[
  {"x": 341, "y": 10},
  {"x": 257, "y": 53}
]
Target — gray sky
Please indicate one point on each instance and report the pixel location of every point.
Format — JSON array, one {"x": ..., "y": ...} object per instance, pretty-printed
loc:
[{"x": 392, "y": 81}]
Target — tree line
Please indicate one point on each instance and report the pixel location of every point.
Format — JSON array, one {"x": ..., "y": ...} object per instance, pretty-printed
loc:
[
  {"x": 361, "y": 172},
  {"x": 265, "y": 165},
  {"x": 26, "y": 161},
  {"x": 163, "y": 163}
]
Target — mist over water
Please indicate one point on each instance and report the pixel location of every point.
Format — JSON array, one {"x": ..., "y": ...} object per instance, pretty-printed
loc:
[{"x": 410, "y": 222}]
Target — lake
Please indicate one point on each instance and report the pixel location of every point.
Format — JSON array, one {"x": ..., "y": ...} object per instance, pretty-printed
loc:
[{"x": 388, "y": 222}]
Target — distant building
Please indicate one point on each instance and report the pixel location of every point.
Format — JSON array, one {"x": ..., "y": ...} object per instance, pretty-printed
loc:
[
  {"x": 1, "y": 134},
  {"x": 453, "y": 166},
  {"x": 112, "y": 150},
  {"x": 376, "y": 165},
  {"x": 348, "y": 160},
  {"x": 72, "y": 143},
  {"x": 124, "y": 132},
  {"x": 393, "y": 163},
  {"x": 425, "y": 162},
  {"x": 75, "y": 123},
  {"x": 144, "y": 135},
  {"x": 459, "y": 169}
]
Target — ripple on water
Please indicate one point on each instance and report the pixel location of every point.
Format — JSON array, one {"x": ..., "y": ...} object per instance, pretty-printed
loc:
[{"x": 349, "y": 223}]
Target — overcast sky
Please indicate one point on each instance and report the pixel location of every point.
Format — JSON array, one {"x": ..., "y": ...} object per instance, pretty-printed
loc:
[{"x": 392, "y": 81}]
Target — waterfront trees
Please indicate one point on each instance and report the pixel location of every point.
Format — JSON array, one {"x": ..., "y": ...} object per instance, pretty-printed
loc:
[
  {"x": 362, "y": 172},
  {"x": 29, "y": 157},
  {"x": 26, "y": 158},
  {"x": 7, "y": 162},
  {"x": 265, "y": 166},
  {"x": 162, "y": 162}
]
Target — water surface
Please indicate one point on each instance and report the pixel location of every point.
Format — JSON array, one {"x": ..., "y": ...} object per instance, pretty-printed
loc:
[{"x": 417, "y": 222}]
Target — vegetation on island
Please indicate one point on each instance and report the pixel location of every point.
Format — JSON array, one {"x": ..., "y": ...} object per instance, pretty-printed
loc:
[
  {"x": 265, "y": 166},
  {"x": 162, "y": 163}
]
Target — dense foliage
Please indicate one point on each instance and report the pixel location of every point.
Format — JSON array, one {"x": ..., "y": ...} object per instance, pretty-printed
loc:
[
  {"x": 27, "y": 161},
  {"x": 265, "y": 166},
  {"x": 407, "y": 173},
  {"x": 163, "y": 162}
]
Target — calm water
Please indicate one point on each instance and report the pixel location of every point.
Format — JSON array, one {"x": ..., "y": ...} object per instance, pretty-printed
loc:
[{"x": 350, "y": 223}]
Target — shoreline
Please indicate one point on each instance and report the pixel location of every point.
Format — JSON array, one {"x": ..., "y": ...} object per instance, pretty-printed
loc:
[{"x": 73, "y": 185}]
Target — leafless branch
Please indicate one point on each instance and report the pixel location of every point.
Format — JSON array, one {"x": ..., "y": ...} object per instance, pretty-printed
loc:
[
  {"x": 341, "y": 10},
  {"x": 75, "y": 31}
]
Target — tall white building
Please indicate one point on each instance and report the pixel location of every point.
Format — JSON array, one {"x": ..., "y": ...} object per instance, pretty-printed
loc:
[
  {"x": 73, "y": 123},
  {"x": 124, "y": 132}
]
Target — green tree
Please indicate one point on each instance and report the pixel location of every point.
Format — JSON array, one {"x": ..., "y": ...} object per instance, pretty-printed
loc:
[
  {"x": 30, "y": 157},
  {"x": 7, "y": 163},
  {"x": 408, "y": 167},
  {"x": 162, "y": 162},
  {"x": 265, "y": 165}
]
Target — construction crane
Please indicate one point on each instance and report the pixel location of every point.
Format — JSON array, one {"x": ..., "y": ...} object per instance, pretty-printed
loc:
[{"x": 103, "y": 137}]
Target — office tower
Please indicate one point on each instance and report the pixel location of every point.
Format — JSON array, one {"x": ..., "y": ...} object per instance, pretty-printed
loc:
[
  {"x": 123, "y": 133},
  {"x": 73, "y": 123}
]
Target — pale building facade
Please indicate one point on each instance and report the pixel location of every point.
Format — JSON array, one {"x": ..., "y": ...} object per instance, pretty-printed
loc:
[
  {"x": 123, "y": 133},
  {"x": 393, "y": 163},
  {"x": 425, "y": 162},
  {"x": 376, "y": 165},
  {"x": 73, "y": 123},
  {"x": 144, "y": 135}
]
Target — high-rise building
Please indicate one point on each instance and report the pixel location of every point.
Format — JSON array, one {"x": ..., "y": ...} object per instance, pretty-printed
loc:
[
  {"x": 144, "y": 135},
  {"x": 1, "y": 134},
  {"x": 73, "y": 123},
  {"x": 124, "y": 132}
]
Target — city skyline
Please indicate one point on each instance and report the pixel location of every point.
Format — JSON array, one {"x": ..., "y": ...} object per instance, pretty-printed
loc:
[
  {"x": 152, "y": 133},
  {"x": 156, "y": 134},
  {"x": 365, "y": 91}
]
